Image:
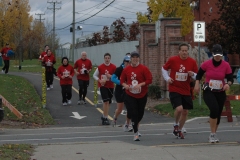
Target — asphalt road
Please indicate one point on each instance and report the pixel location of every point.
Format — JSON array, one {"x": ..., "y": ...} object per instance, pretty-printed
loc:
[{"x": 89, "y": 113}]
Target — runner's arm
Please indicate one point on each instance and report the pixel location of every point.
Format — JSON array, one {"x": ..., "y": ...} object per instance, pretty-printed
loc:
[{"x": 95, "y": 74}]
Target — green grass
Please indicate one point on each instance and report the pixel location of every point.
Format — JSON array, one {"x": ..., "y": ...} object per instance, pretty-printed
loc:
[
  {"x": 33, "y": 65},
  {"x": 202, "y": 110},
  {"x": 21, "y": 94},
  {"x": 16, "y": 151}
]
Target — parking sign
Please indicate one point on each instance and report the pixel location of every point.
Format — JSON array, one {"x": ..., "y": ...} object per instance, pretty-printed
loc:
[{"x": 199, "y": 31}]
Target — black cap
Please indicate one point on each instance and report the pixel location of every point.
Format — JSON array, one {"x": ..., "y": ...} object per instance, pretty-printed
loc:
[
  {"x": 7, "y": 44},
  {"x": 135, "y": 53},
  {"x": 217, "y": 50}
]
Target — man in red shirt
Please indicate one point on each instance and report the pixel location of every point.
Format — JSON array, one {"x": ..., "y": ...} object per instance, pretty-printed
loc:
[
  {"x": 65, "y": 73},
  {"x": 82, "y": 68},
  {"x": 103, "y": 75},
  {"x": 183, "y": 68},
  {"x": 5, "y": 58},
  {"x": 49, "y": 61},
  {"x": 135, "y": 78}
]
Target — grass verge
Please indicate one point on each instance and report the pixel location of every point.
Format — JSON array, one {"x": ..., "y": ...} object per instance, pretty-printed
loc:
[
  {"x": 202, "y": 110},
  {"x": 22, "y": 95},
  {"x": 16, "y": 151}
]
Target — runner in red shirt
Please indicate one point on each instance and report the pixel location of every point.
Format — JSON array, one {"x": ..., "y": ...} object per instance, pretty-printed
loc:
[
  {"x": 43, "y": 54},
  {"x": 82, "y": 68},
  {"x": 49, "y": 61},
  {"x": 6, "y": 59},
  {"x": 65, "y": 72},
  {"x": 103, "y": 75},
  {"x": 135, "y": 78},
  {"x": 183, "y": 68}
]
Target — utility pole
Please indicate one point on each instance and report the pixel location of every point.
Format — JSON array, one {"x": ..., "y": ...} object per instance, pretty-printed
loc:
[
  {"x": 40, "y": 15},
  {"x": 53, "y": 35},
  {"x": 73, "y": 33}
]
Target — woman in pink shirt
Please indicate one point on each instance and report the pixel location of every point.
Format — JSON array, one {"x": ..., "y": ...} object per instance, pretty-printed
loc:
[{"x": 214, "y": 95}]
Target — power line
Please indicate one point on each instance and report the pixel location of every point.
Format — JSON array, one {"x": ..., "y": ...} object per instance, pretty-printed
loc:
[
  {"x": 97, "y": 12},
  {"x": 88, "y": 17}
]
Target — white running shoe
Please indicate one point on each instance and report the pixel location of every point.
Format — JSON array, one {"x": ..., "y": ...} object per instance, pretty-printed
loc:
[
  {"x": 184, "y": 130},
  {"x": 2, "y": 71},
  {"x": 48, "y": 88},
  {"x": 64, "y": 104},
  {"x": 80, "y": 102},
  {"x": 51, "y": 86},
  {"x": 69, "y": 101},
  {"x": 139, "y": 134},
  {"x": 211, "y": 138},
  {"x": 136, "y": 137}
]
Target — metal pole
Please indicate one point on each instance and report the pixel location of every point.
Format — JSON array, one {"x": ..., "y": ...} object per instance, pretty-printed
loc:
[
  {"x": 199, "y": 63},
  {"x": 73, "y": 33}
]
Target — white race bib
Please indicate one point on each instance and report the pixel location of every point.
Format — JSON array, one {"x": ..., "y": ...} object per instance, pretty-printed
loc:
[
  {"x": 66, "y": 73},
  {"x": 215, "y": 84},
  {"x": 181, "y": 76},
  {"x": 104, "y": 77},
  {"x": 134, "y": 91}
]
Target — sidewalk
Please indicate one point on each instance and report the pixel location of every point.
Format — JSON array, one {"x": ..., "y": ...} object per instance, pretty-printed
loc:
[{"x": 194, "y": 147}]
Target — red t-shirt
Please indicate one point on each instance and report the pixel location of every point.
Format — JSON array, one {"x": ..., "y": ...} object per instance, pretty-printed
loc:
[
  {"x": 179, "y": 73},
  {"x": 4, "y": 53},
  {"x": 65, "y": 70},
  {"x": 136, "y": 75},
  {"x": 51, "y": 59},
  {"x": 82, "y": 65},
  {"x": 103, "y": 70}
]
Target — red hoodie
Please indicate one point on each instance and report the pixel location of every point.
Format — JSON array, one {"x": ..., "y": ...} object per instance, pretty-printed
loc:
[{"x": 65, "y": 70}]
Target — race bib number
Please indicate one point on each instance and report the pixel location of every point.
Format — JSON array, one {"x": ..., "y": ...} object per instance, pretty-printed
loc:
[
  {"x": 49, "y": 63},
  {"x": 133, "y": 90},
  {"x": 181, "y": 76},
  {"x": 82, "y": 70},
  {"x": 66, "y": 73},
  {"x": 215, "y": 84},
  {"x": 104, "y": 77}
]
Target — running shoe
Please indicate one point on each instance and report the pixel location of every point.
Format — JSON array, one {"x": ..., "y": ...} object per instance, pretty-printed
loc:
[
  {"x": 106, "y": 121},
  {"x": 184, "y": 130},
  {"x": 216, "y": 138},
  {"x": 69, "y": 101},
  {"x": 211, "y": 138},
  {"x": 175, "y": 130},
  {"x": 2, "y": 71},
  {"x": 64, "y": 104},
  {"x": 114, "y": 122},
  {"x": 79, "y": 102},
  {"x": 48, "y": 88},
  {"x": 136, "y": 137},
  {"x": 180, "y": 135},
  {"x": 139, "y": 134},
  {"x": 84, "y": 102},
  {"x": 51, "y": 86}
]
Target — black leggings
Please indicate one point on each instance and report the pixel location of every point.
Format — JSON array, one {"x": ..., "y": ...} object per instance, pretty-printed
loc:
[
  {"x": 66, "y": 92},
  {"x": 6, "y": 66},
  {"x": 49, "y": 78},
  {"x": 215, "y": 102},
  {"x": 82, "y": 89},
  {"x": 136, "y": 107}
]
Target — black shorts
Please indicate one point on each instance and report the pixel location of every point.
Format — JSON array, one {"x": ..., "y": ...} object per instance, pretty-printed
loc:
[
  {"x": 82, "y": 83},
  {"x": 106, "y": 94},
  {"x": 119, "y": 95},
  {"x": 178, "y": 100}
]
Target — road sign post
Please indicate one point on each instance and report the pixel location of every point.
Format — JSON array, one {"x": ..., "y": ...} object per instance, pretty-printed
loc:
[{"x": 199, "y": 36}]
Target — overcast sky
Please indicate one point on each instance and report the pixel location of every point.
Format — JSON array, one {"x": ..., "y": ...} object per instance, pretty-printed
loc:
[{"x": 85, "y": 9}]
